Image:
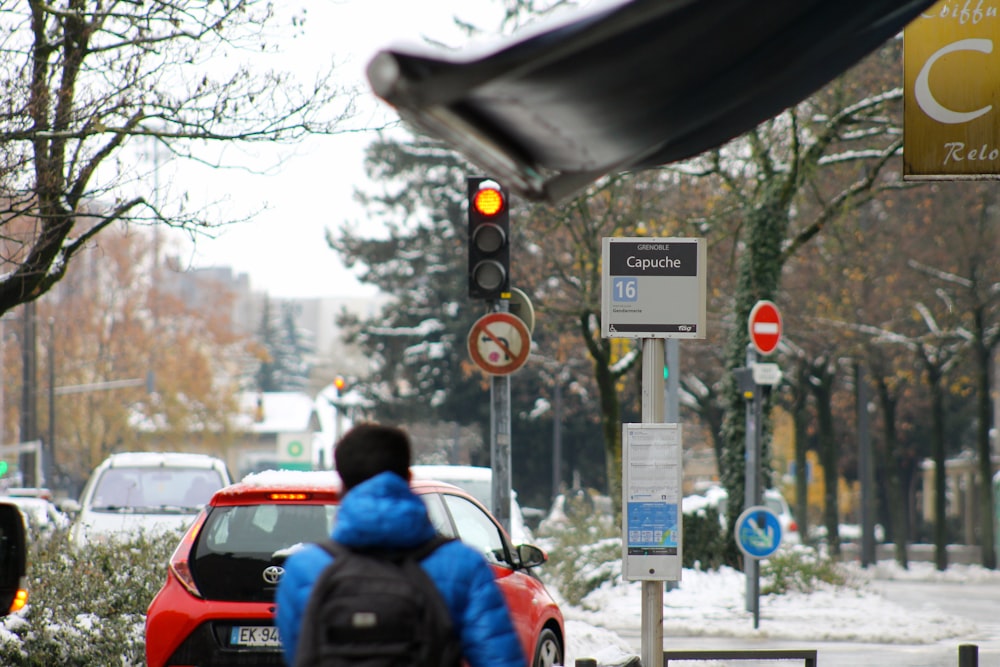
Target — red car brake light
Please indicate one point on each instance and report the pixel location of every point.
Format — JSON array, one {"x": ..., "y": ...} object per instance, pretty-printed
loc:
[
  {"x": 290, "y": 496},
  {"x": 180, "y": 564},
  {"x": 233, "y": 496}
]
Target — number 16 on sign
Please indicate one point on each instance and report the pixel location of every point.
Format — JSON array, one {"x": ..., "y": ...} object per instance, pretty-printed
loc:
[{"x": 625, "y": 289}]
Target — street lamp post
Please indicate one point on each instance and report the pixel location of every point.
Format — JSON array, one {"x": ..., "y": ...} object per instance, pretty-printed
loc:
[
  {"x": 49, "y": 446},
  {"x": 29, "y": 399}
]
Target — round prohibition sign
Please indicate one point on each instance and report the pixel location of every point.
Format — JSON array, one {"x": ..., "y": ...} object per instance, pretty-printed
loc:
[{"x": 499, "y": 343}]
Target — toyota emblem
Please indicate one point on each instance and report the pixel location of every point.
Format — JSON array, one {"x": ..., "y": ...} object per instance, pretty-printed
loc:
[{"x": 272, "y": 574}]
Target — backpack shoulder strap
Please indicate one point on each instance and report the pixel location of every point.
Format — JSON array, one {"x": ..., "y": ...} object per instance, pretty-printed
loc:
[{"x": 333, "y": 547}]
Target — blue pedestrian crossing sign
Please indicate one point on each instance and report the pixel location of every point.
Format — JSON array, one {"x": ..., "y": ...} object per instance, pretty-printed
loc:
[{"x": 758, "y": 532}]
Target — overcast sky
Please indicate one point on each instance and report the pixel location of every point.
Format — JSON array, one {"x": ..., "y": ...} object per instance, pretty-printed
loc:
[{"x": 284, "y": 249}]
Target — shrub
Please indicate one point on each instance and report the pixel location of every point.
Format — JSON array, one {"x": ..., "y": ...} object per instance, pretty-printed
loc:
[
  {"x": 704, "y": 540},
  {"x": 86, "y": 608},
  {"x": 584, "y": 549},
  {"x": 801, "y": 569}
]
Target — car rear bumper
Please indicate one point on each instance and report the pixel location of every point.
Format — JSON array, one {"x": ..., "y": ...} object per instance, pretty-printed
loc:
[
  {"x": 209, "y": 646},
  {"x": 182, "y": 630}
]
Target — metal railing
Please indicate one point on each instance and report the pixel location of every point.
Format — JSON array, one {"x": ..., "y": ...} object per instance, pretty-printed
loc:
[
  {"x": 968, "y": 656},
  {"x": 807, "y": 655}
]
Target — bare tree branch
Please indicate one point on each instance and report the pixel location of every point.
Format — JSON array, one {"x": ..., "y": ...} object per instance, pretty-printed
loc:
[{"x": 81, "y": 80}]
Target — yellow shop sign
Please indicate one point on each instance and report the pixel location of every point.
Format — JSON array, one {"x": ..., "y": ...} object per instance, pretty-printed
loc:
[{"x": 951, "y": 73}]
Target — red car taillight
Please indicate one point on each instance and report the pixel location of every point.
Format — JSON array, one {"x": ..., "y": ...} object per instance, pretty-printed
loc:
[{"x": 180, "y": 564}]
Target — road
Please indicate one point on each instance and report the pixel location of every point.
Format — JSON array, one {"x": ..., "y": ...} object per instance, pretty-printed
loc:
[{"x": 977, "y": 601}]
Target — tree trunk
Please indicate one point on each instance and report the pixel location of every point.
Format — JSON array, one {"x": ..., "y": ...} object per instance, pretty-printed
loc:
[
  {"x": 600, "y": 352},
  {"x": 829, "y": 455},
  {"x": 800, "y": 419},
  {"x": 940, "y": 473},
  {"x": 889, "y": 462},
  {"x": 984, "y": 460},
  {"x": 759, "y": 275}
]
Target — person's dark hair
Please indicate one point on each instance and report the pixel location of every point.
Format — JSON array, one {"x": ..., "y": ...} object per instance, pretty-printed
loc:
[{"x": 369, "y": 449}]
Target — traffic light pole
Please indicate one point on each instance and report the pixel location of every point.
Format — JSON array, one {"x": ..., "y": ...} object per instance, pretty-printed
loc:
[
  {"x": 489, "y": 279},
  {"x": 500, "y": 442}
]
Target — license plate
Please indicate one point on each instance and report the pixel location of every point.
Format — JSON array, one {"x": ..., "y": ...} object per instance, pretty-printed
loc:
[{"x": 257, "y": 636}]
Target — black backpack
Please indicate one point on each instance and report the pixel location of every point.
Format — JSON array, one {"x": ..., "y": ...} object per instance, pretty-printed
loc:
[{"x": 377, "y": 608}]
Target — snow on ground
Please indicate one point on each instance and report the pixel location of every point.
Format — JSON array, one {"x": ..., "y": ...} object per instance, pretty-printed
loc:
[{"x": 711, "y": 604}]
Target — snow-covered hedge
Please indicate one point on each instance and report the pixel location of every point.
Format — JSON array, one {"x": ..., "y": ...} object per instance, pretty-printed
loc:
[{"x": 85, "y": 608}]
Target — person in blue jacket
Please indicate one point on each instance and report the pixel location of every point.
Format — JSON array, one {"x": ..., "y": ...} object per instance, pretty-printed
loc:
[{"x": 379, "y": 510}]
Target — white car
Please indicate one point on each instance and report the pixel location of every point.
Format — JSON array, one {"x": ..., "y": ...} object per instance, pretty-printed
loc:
[
  {"x": 477, "y": 482},
  {"x": 775, "y": 501},
  {"x": 40, "y": 514},
  {"x": 146, "y": 492}
]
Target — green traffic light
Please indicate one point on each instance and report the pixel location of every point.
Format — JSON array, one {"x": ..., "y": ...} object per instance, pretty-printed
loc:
[
  {"x": 666, "y": 372},
  {"x": 3, "y": 468}
]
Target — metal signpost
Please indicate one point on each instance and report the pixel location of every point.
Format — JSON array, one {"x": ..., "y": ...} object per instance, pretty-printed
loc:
[
  {"x": 653, "y": 288},
  {"x": 499, "y": 344},
  {"x": 764, "y": 327}
]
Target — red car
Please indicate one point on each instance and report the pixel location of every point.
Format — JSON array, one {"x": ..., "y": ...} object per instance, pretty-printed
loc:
[{"x": 217, "y": 606}]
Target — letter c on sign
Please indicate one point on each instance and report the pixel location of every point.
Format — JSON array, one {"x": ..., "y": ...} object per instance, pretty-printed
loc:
[{"x": 922, "y": 89}]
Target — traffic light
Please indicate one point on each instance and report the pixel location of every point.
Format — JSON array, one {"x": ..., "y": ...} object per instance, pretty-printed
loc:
[
  {"x": 489, "y": 240},
  {"x": 339, "y": 383}
]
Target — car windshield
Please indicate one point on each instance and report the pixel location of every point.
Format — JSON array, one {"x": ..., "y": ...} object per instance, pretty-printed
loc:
[
  {"x": 155, "y": 488},
  {"x": 265, "y": 528}
]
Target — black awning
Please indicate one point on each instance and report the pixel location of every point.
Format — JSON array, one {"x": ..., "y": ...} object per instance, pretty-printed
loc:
[{"x": 633, "y": 85}]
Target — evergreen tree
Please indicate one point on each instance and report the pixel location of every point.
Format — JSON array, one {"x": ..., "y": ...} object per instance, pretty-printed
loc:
[
  {"x": 283, "y": 351},
  {"x": 266, "y": 336},
  {"x": 416, "y": 345},
  {"x": 293, "y": 349}
]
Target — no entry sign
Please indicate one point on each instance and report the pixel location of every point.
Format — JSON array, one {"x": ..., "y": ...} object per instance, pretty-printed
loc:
[{"x": 764, "y": 325}]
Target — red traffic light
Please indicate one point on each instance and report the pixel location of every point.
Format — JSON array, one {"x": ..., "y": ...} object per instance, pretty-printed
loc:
[{"x": 488, "y": 201}]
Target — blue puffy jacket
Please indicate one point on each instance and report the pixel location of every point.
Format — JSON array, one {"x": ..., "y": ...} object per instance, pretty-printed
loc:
[{"x": 383, "y": 512}]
